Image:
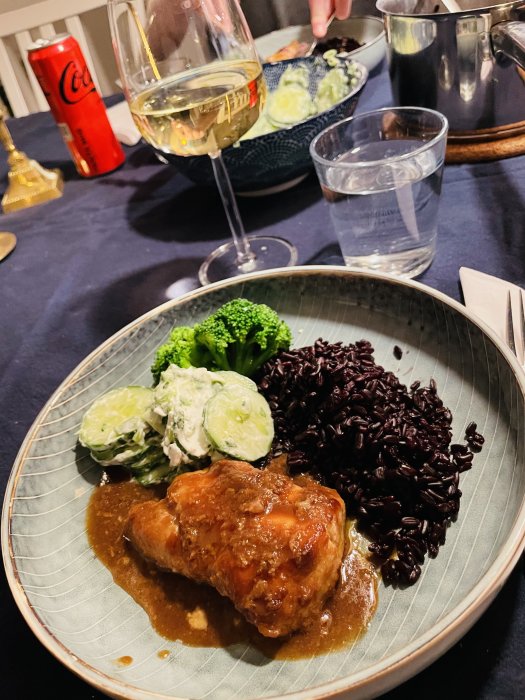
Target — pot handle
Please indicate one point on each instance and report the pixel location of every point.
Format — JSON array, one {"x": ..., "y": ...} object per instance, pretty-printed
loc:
[{"x": 508, "y": 39}]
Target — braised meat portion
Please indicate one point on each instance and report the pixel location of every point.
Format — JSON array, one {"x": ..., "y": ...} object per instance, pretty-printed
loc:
[{"x": 273, "y": 546}]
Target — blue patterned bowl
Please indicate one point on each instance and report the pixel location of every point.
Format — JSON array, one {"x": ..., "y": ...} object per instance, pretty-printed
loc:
[{"x": 280, "y": 159}]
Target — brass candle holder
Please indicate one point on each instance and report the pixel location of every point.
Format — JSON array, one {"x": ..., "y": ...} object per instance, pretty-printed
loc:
[{"x": 28, "y": 182}]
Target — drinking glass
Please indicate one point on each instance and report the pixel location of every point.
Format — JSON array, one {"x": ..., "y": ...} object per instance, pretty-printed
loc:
[
  {"x": 194, "y": 84},
  {"x": 380, "y": 173}
]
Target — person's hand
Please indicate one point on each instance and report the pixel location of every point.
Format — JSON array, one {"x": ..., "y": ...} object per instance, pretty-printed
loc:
[{"x": 320, "y": 11}]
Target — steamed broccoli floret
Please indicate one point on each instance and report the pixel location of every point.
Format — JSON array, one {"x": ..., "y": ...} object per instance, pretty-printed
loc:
[
  {"x": 241, "y": 335},
  {"x": 182, "y": 350}
]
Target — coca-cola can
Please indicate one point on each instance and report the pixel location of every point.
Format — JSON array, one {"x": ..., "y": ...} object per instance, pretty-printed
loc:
[{"x": 76, "y": 105}]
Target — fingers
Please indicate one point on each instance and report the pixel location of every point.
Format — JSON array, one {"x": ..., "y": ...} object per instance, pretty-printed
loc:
[
  {"x": 217, "y": 13},
  {"x": 342, "y": 8},
  {"x": 320, "y": 11}
]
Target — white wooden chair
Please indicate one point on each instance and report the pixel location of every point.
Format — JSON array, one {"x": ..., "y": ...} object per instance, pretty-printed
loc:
[{"x": 18, "y": 30}]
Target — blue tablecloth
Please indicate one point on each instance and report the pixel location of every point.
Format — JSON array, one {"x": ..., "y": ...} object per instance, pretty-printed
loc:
[{"x": 114, "y": 247}]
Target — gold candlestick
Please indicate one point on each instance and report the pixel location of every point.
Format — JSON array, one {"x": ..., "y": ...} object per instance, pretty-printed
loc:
[{"x": 28, "y": 182}]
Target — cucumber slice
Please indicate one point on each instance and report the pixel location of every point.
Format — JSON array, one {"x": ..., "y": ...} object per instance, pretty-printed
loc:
[
  {"x": 239, "y": 423},
  {"x": 155, "y": 474},
  {"x": 290, "y": 104},
  {"x": 228, "y": 378},
  {"x": 181, "y": 396},
  {"x": 132, "y": 461},
  {"x": 117, "y": 416},
  {"x": 122, "y": 456},
  {"x": 298, "y": 75},
  {"x": 332, "y": 88}
]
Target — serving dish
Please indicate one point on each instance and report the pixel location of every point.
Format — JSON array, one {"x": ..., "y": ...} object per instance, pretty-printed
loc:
[
  {"x": 483, "y": 102},
  {"x": 278, "y": 160},
  {"x": 365, "y": 29},
  {"x": 70, "y": 601}
]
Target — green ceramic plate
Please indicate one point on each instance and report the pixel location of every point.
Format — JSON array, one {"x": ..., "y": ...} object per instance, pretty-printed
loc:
[{"x": 70, "y": 601}]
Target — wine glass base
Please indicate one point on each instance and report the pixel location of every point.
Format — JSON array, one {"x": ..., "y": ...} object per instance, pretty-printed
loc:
[{"x": 270, "y": 252}]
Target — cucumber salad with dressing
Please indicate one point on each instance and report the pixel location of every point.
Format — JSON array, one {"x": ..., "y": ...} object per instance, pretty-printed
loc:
[
  {"x": 200, "y": 409},
  {"x": 292, "y": 102},
  {"x": 191, "y": 417}
]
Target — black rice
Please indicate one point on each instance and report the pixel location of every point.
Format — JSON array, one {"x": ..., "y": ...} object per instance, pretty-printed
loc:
[
  {"x": 398, "y": 353},
  {"x": 385, "y": 448},
  {"x": 342, "y": 44}
]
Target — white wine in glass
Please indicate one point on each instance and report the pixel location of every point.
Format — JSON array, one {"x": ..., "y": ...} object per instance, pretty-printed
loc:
[{"x": 194, "y": 85}]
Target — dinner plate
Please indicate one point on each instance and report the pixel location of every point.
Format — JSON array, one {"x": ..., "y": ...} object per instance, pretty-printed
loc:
[{"x": 70, "y": 601}]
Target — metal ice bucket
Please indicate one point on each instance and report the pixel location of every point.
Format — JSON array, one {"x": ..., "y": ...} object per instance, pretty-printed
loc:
[{"x": 467, "y": 65}]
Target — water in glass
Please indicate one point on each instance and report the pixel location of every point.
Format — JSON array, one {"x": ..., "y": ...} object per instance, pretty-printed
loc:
[{"x": 385, "y": 213}]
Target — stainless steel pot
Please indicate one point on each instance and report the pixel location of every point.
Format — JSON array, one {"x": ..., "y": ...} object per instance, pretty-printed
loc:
[{"x": 468, "y": 65}]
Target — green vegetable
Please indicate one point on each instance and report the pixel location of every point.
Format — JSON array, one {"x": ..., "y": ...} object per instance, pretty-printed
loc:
[
  {"x": 181, "y": 396},
  {"x": 241, "y": 335},
  {"x": 116, "y": 418},
  {"x": 238, "y": 422},
  {"x": 181, "y": 400},
  {"x": 297, "y": 75},
  {"x": 330, "y": 57},
  {"x": 181, "y": 350},
  {"x": 118, "y": 430},
  {"x": 157, "y": 474},
  {"x": 290, "y": 104},
  {"x": 333, "y": 87},
  {"x": 291, "y": 101},
  {"x": 157, "y": 434},
  {"x": 261, "y": 127},
  {"x": 229, "y": 378}
]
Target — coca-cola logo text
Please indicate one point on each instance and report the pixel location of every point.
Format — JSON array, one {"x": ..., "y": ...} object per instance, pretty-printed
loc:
[{"x": 75, "y": 83}]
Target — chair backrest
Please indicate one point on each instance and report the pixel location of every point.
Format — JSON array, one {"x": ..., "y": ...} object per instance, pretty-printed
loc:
[{"x": 18, "y": 30}]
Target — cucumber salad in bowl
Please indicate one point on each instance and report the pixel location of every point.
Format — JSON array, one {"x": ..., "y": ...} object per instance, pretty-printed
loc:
[{"x": 294, "y": 100}]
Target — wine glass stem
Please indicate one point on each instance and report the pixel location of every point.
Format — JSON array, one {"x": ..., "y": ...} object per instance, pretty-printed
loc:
[{"x": 245, "y": 254}]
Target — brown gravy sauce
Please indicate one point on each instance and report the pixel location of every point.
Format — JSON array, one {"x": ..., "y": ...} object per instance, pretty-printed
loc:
[
  {"x": 125, "y": 660},
  {"x": 195, "y": 614}
]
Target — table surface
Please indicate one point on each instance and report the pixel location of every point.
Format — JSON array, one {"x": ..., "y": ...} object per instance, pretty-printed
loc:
[{"x": 114, "y": 247}]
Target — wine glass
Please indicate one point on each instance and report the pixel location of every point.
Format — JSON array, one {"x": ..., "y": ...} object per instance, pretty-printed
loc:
[{"x": 194, "y": 84}]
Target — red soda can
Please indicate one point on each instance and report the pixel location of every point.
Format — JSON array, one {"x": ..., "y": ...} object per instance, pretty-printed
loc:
[{"x": 76, "y": 105}]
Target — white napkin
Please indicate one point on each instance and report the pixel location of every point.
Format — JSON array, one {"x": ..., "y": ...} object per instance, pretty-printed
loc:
[
  {"x": 122, "y": 124},
  {"x": 486, "y": 296}
]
